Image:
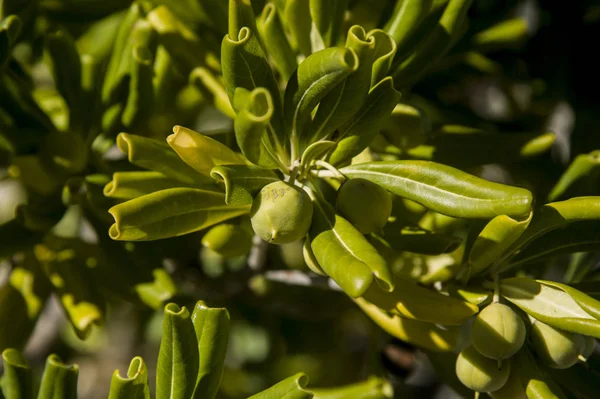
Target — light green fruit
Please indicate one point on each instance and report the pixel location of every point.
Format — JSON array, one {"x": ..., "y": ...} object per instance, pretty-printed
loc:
[
  {"x": 364, "y": 204},
  {"x": 556, "y": 348},
  {"x": 589, "y": 344},
  {"x": 281, "y": 213},
  {"x": 498, "y": 332},
  {"x": 228, "y": 240},
  {"x": 513, "y": 389},
  {"x": 480, "y": 373}
]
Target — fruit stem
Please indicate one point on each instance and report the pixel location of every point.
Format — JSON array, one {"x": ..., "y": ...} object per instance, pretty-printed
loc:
[
  {"x": 336, "y": 173},
  {"x": 496, "y": 289}
]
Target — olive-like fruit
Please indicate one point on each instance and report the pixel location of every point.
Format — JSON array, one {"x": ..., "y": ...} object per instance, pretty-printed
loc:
[
  {"x": 281, "y": 213},
  {"x": 364, "y": 204},
  {"x": 513, "y": 389},
  {"x": 228, "y": 240},
  {"x": 498, "y": 332},
  {"x": 589, "y": 344},
  {"x": 480, "y": 373},
  {"x": 556, "y": 348}
]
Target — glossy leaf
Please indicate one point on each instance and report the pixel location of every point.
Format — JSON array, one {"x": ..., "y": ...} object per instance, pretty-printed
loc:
[
  {"x": 242, "y": 182},
  {"x": 435, "y": 45},
  {"x": 129, "y": 185},
  {"x": 177, "y": 367},
  {"x": 587, "y": 303},
  {"x": 316, "y": 150},
  {"x": 412, "y": 301},
  {"x": 251, "y": 126},
  {"x": 98, "y": 39},
  {"x": 583, "y": 165},
  {"x": 347, "y": 97},
  {"x": 241, "y": 15},
  {"x": 444, "y": 189},
  {"x": 315, "y": 77},
  {"x": 418, "y": 241},
  {"x": 17, "y": 381},
  {"x": 405, "y": 19},
  {"x": 372, "y": 388},
  {"x": 245, "y": 66},
  {"x": 328, "y": 17},
  {"x": 424, "y": 335},
  {"x": 550, "y": 305},
  {"x": 141, "y": 94},
  {"x": 59, "y": 380},
  {"x": 134, "y": 385},
  {"x": 360, "y": 131},
  {"x": 345, "y": 254},
  {"x": 537, "y": 383},
  {"x": 212, "y": 88},
  {"x": 63, "y": 58},
  {"x": 155, "y": 155},
  {"x": 509, "y": 33},
  {"x": 579, "y": 379},
  {"x": 201, "y": 152},
  {"x": 310, "y": 259},
  {"x": 385, "y": 50},
  {"x": 212, "y": 326},
  {"x": 495, "y": 238},
  {"x": 276, "y": 42},
  {"x": 290, "y": 388},
  {"x": 182, "y": 44},
  {"x": 171, "y": 212},
  {"x": 297, "y": 19},
  {"x": 22, "y": 299}
]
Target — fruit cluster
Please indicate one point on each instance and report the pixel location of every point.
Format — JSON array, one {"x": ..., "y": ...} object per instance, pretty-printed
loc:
[{"x": 497, "y": 334}]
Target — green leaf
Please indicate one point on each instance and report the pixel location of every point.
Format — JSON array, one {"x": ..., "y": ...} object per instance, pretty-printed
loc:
[
  {"x": 372, "y": 388},
  {"x": 276, "y": 42},
  {"x": 360, "y": 131},
  {"x": 583, "y": 165},
  {"x": 155, "y": 155},
  {"x": 537, "y": 383},
  {"x": 134, "y": 385},
  {"x": 345, "y": 254},
  {"x": 425, "y": 335},
  {"x": 22, "y": 299},
  {"x": 579, "y": 379},
  {"x": 212, "y": 326},
  {"x": 347, "y": 97},
  {"x": 435, "y": 46},
  {"x": 245, "y": 66},
  {"x": 169, "y": 213},
  {"x": 63, "y": 59},
  {"x": 10, "y": 28},
  {"x": 201, "y": 152},
  {"x": 385, "y": 50},
  {"x": 290, "y": 388},
  {"x": 328, "y": 17},
  {"x": 211, "y": 88},
  {"x": 251, "y": 127},
  {"x": 495, "y": 238},
  {"x": 315, "y": 77},
  {"x": 99, "y": 38},
  {"x": 315, "y": 151},
  {"x": 551, "y": 305},
  {"x": 17, "y": 381},
  {"x": 412, "y": 301},
  {"x": 59, "y": 380},
  {"x": 587, "y": 303},
  {"x": 183, "y": 45},
  {"x": 297, "y": 19},
  {"x": 406, "y": 18},
  {"x": 418, "y": 241},
  {"x": 139, "y": 103},
  {"x": 444, "y": 189},
  {"x": 241, "y": 15},
  {"x": 130, "y": 185},
  {"x": 177, "y": 367},
  {"x": 505, "y": 34},
  {"x": 242, "y": 182}
]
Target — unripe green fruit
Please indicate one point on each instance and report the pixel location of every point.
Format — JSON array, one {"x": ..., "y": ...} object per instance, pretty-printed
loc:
[
  {"x": 364, "y": 204},
  {"x": 281, "y": 213},
  {"x": 589, "y": 345},
  {"x": 556, "y": 348},
  {"x": 498, "y": 332},
  {"x": 480, "y": 373},
  {"x": 228, "y": 240}
]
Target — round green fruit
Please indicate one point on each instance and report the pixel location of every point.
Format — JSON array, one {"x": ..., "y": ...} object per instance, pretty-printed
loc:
[
  {"x": 498, "y": 332},
  {"x": 228, "y": 240},
  {"x": 556, "y": 348},
  {"x": 364, "y": 204},
  {"x": 281, "y": 213},
  {"x": 480, "y": 373}
]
